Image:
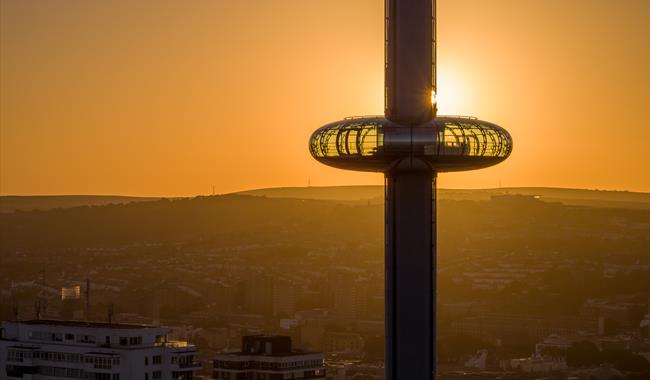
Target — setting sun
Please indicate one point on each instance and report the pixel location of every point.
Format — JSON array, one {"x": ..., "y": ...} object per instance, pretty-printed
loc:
[{"x": 452, "y": 94}]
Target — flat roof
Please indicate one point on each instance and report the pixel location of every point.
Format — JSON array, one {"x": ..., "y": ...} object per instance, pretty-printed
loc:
[
  {"x": 96, "y": 325},
  {"x": 237, "y": 354}
]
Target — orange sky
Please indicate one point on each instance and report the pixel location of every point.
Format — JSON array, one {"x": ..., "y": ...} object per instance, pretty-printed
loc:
[{"x": 172, "y": 97}]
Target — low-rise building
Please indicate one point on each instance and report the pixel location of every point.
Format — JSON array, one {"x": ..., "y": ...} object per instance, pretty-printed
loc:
[
  {"x": 268, "y": 357},
  {"x": 343, "y": 342},
  {"x": 46, "y": 349},
  {"x": 536, "y": 364}
]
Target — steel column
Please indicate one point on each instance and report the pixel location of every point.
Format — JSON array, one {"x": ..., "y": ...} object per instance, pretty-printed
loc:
[{"x": 410, "y": 270}]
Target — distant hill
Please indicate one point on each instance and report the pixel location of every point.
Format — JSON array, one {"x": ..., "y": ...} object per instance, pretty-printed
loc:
[
  {"x": 327, "y": 193},
  {"x": 243, "y": 220},
  {"x": 352, "y": 195},
  {"x": 47, "y": 202},
  {"x": 374, "y": 194},
  {"x": 226, "y": 219}
]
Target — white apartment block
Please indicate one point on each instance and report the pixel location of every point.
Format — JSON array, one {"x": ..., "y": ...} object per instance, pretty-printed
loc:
[{"x": 58, "y": 350}]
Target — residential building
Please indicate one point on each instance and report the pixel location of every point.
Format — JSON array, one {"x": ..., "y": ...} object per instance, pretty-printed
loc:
[
  {"x": 349, "y": 289},
  {"x": 48, "y": 349},
  {"x": 258, "y": 293},
  {"x": 536, "y": 364},
  {"x": 284, "y": 298},
  {"x": 343, "y": 342},
  {"x": 269, "y": 357}
]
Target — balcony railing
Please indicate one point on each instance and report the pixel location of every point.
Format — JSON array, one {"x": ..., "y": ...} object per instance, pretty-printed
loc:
[{"x": 194, "y": 364}]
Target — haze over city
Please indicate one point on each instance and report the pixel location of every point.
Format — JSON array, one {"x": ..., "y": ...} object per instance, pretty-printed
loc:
[
  {"x": 183, "y": 195},
  {"x": 156, "y": 99}
]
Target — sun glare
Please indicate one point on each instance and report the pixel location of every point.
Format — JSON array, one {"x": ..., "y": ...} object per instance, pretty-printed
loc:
[{"x": 451, "y": 94}]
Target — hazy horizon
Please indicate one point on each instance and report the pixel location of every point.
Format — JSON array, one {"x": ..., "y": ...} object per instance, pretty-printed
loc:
[{"x": 307, "y": 187}]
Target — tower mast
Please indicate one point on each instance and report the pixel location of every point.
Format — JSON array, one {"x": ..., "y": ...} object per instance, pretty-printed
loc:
[
  {"x": 410, "y": 235},
  {"x": 409, "y": 60},
  {"x": 410, "y": 145}
]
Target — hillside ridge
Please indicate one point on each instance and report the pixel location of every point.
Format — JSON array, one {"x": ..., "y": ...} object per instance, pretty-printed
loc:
[{"x": 347, "y": 194}]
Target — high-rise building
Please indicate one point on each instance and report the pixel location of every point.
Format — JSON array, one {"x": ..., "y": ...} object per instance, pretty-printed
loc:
[
  {"x": 410, "y": 144},
  {"x": 258, "y": 293},
  {"x": 71, "y": 302},
  {"x": 268, "y": 357},
  {"x": 46, "y": 349},
  {"x": 349, "y": 291},
  {"x": 284, "y": 298}
]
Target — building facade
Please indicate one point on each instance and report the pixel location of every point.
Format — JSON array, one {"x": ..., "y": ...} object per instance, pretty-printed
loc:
[
  {"x": 267, "y": 357},
  {"x": 284, "y": 298},
  {"x": 349, "y": 288},
  {"x": 343, "y": 343},
  {"x": 258, "y": 293},
  {"x": 46, "y": 349}
]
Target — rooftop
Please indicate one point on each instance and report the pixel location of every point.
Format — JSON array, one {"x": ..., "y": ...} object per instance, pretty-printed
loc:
[
  {"x": 96, "y": 325},
  {"x": 267, "y": 345},
  {"x": 295, "y": 352}
]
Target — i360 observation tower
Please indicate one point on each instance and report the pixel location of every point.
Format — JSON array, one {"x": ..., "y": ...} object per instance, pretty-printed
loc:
[{"x": 410, "y": 144}]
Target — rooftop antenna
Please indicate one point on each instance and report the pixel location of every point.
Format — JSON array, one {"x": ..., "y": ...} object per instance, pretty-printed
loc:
[
  {"x": 156, "y": 309},
  {"x": 41, "y": 294},
  {"x": 111, "y": 311},
  {"x": 87, "y": 305},
  {"x": 14, "y": 303},
  {"x": 37, "y": 309}
]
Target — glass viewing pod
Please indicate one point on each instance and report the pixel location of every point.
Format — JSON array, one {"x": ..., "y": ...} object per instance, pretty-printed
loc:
[{"x": 446, "y": 143}]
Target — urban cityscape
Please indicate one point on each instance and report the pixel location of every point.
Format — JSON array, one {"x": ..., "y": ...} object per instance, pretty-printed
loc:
[
  {"x": 369, "y": 248},
  {"x": 527, "y": 287}
]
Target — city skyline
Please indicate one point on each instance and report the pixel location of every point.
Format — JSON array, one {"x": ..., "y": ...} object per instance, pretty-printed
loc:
[
  {"x": 137, "y": 99},
  {"x": 325, "y": 189}
]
